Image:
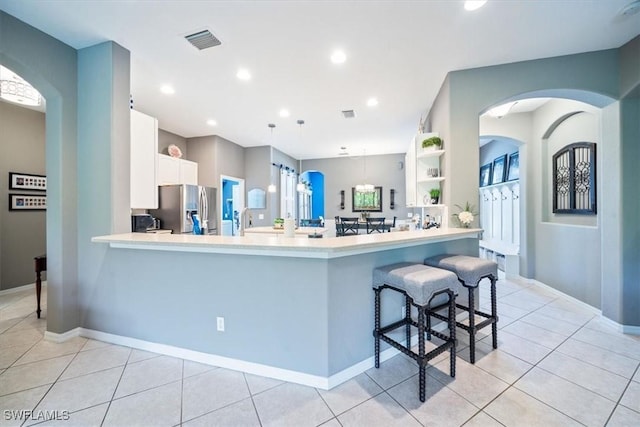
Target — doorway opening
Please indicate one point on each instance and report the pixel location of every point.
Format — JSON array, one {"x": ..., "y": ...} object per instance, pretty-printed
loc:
[
  {"x": 312, "y": 206},
  {"x": 231, "y": 204}
]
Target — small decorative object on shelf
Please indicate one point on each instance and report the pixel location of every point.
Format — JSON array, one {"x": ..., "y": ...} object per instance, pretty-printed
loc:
[
  {"x": 174, "y": 151},
  {"x": 433, "y": 143},
  {"x": 466, "y": 215},
  {"x": 435, "y": 195}
]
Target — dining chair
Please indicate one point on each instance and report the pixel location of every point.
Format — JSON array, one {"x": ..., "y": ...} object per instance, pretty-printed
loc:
[
  {"x": 338, "y": 227},
  {"x": 375, "y": 224},
  {"x": 349, "y": 225}
]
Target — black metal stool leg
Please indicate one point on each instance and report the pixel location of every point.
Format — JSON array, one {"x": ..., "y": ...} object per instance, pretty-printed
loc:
[
  {"x": 421, "y": 352},
  {"x": 376, "y": 331},
  {"x": 494, "y": 313},
  {"x": 452, "y": 334},
  {"x": 472, "y": 325},
  {"x": 407, "y": 317}
]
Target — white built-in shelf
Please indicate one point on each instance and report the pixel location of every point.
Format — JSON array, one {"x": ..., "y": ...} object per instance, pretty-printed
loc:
[
  {"x": 434, "y": 179},
  {"x": 425, "y": 154},
  {"x": 440, "y": 206}
]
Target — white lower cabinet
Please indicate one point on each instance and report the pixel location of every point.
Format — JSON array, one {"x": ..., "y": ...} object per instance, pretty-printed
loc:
[{"x": 172, "y": 170}]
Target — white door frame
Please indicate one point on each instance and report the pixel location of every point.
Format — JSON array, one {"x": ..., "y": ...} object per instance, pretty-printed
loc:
[{"x": 242, "y": 201}]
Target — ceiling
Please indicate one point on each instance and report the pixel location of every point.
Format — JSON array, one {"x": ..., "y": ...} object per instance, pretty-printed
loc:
[{"x": 397, "y": 51}]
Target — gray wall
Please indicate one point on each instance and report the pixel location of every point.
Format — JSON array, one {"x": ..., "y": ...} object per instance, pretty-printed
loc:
[
  {"x": 51, "y": 67},
  {"x": 22, "y": 233},
  {"x": 258, "y": 169},
  {"x": 344, "y": 173},
  {"x": 165, "y": 139},
  {"x": 472, "y": 92}
]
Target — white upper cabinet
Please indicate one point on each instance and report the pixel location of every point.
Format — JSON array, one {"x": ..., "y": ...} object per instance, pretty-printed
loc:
[
  {"x": 144, "y": 147},
  {"x": 172, "y": 170}
]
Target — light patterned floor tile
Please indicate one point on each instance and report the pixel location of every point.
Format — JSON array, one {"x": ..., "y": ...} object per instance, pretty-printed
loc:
[
  {"x": 588, "y": 376},
  {"x": 631, "y": 396},
  {"x": 381, "y": 411},
  {"x": 514, "y": 408},
  {"x": 471, "y": 382},
  {"x": 195, "y": 368},
  {"x": 155, "y": 407},
  {"x": 241, "y": 414},
  {"x": 9, "y": 355},
  {"x": 636, "y": 377},
  {"x": 96, "y": 360},
  {"x": 535, "y": 334},
  {"x": 579, "y": 319},
  {"x": 524, "y": 301},
  {"x": 258, "y": 384},
  {"x": 81, "y": 392},
  {"x": 34, "y": 374},
  {"x": 140, "y": 355},
  {"x": 333, "y": 422},
  {"x": 351, "y": 393},
  {"x": 519, "y": 347},
  {"x": 499, "y": 363},
  {"x": 212, "y": 390},
  {"x": 481, "y": 419},
  {"x": 393, "y": 371},
  {"x": 12, "y": 404},
  {"x": 30, "y": 322},
  {"x": 90, "y": 417},
  {"x": 550, "y": 324},
  {"x": 577, "y": 402},
  {"x": 149, "y": 373},
  {"x": 442, "y": 406},
  {"x": 600, "y": 357},
  {"x": 624, "y": 417},
  {"x": 94, "y": 344},
  {"x": 291, "y": 405},
  {"x": 20, "y": 338},
  {"x": 616, "y": 342},
  {"x": 5, "y": 325},
  {"x": 49, "y": 349}
]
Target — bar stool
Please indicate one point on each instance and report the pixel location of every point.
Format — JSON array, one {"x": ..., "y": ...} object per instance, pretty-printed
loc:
[
  {"x": 470, "y": 271},
  {"x": 420, "y": 285}
]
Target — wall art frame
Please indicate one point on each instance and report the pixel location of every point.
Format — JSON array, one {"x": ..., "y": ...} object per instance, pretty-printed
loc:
[
  {"x": 366, "y": 201},
  {"x": 513, "y": 170},
  {"x": 27, "y": 202},
  {"x": 485, "y": 174},
  {"x": 499, "y": 169},
  {"x": 27, "y": 181}
]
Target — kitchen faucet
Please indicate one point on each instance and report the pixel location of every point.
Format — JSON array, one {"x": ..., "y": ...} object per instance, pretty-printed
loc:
[{"x": 241, "y": 226}]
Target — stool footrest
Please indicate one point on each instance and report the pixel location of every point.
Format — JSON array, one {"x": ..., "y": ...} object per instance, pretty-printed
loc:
[{"x": 422, "y": 361}]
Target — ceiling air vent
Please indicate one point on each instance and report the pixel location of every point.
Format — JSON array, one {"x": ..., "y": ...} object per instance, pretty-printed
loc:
[
  {"x": 203, "y": 40},
  {"x": 348, "y": 114}
]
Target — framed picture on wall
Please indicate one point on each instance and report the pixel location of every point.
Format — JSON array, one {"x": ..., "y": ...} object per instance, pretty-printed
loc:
[
  {"x": 513, "y": 171},
  {"x": 485, "y": 174},
  {"x": 499, "y": 169},
  {"x": 25, "y": 181},
  {"x": 27, "y": 202},
  {"x": 367, "y": 201}
]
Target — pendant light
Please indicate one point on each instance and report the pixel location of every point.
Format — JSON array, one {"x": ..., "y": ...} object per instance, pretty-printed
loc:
[
  {"x": 272, "y": 187},
  {"x": 300, "y": 187},
  {"x": 364, "y": 187}
]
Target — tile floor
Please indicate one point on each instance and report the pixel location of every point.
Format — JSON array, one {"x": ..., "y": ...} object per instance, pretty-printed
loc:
[{"x": 557, "y": 364}]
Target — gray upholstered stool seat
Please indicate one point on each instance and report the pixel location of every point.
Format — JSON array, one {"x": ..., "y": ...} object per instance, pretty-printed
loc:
[
  {"x": 421, "y": 286},
  {"x": 471, "y": 270}
]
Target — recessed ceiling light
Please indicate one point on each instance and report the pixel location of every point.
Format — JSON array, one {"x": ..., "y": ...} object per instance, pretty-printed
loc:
[
  {"x": 212, "y": 122},
  {"x": 167, "y": 90},
  {"x": 474, "y": 4},
  {"x": 243, "y": 74},
  {"x": 338, "y": 57},
  {"x": 372, "y": 102},
  {"x": 284, "y": 113}
]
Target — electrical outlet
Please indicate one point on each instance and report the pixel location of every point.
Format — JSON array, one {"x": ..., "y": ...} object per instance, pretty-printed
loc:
[
  {"x": 260, "y": 216},
  {"x": 220, "y": 321},
  {"x": 409, "y": 215}
]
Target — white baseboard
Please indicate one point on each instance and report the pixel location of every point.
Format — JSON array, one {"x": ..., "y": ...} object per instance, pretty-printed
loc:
[
  {"x": 625, "y": 329},
  {"x": 324, "y": 383},
  {"x": 30, "y": 286}
]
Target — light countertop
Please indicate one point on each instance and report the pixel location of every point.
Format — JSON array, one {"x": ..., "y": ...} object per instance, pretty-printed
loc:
[
  {"x": 271, "y": 230},
  {"x": 296, "y": 247}
]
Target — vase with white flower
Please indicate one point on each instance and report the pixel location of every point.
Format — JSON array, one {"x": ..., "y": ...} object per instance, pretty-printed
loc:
[{"x": 466, "y": 215}]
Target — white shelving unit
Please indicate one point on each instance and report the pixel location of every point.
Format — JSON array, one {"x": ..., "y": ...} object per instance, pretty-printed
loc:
[{"x": 424, "y": 173}]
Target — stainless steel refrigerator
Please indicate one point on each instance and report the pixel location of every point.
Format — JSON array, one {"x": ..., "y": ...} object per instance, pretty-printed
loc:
[{"x": 178, "y": 203}]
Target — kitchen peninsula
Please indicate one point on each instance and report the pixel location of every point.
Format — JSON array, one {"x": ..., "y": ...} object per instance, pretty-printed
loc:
[{"x": 295, "y": 309}]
